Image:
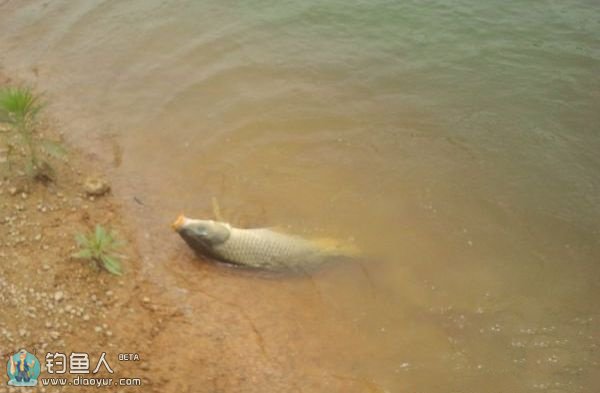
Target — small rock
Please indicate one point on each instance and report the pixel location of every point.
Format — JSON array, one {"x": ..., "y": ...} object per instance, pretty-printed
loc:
[
  {"x": 95, "y": 186},
  {"x": 58, "y": 296},
  {"x": 13, "y": 190},
  {"x": 109, "y": 293},
  {"x": 54, "y": 334},
  {"x": 86, "y": 317},
  {"x": 146, "y": 299},
  {"x": 97, "y": 329}
]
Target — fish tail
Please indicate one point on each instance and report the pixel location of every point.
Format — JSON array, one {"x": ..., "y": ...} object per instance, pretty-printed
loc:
[{"x": 334, "y": 246}]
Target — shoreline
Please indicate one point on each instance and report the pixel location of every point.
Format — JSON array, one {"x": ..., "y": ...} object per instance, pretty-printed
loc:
[{"x": 55, "y": 303}]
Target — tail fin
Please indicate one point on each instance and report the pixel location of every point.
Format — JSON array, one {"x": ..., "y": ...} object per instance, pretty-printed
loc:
[{"x": 336, "y": 247}]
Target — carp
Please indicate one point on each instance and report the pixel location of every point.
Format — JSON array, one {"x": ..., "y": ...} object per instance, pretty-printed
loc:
[{"x": 260, "y": 248}]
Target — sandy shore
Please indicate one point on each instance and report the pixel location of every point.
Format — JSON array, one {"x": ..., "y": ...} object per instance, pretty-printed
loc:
[{"x": 52, "y": 302}]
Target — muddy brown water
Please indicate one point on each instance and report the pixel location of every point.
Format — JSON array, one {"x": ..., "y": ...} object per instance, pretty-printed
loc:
[{"x": 455, "y": 142}]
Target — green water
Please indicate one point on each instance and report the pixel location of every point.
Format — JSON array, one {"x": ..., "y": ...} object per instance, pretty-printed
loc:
[{"x": 456, "y": 141}]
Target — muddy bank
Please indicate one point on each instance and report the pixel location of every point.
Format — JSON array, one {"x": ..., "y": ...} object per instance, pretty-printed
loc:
[{"x": 52, "y": 302}]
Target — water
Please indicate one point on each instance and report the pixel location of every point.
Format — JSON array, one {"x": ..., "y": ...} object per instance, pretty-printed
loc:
[{"x": 455, "y": 141}]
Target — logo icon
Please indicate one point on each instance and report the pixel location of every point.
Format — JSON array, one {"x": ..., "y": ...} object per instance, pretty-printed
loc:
[{"x": 23, "y": 369}]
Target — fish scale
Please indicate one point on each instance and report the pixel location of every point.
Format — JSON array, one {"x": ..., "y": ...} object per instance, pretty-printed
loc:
[{"x": 268, "y": 249}]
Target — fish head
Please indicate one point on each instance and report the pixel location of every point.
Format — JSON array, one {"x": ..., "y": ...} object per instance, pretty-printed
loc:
[{"x": 201, "y": 233}]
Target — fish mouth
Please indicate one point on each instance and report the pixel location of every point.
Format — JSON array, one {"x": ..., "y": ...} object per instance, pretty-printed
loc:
[{"x": 178, "y": 223}]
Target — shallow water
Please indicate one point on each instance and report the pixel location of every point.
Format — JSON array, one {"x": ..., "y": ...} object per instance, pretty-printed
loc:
[{"x": 455, "y": 142}]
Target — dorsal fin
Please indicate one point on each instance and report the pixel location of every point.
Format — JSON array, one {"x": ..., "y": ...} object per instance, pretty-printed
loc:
[{"x": 216, "y": 209}]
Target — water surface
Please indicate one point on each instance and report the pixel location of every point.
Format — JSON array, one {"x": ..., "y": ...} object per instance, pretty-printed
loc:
[{"x": 456, "y": 141}]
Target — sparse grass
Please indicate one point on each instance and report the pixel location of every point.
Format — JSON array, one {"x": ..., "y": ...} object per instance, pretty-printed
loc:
[
  {"x": 99, "y": 247},
  {"x": 19, "y": 108}
]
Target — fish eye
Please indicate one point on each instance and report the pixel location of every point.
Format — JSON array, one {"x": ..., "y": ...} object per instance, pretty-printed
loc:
[{"x": 201, "y": 231}]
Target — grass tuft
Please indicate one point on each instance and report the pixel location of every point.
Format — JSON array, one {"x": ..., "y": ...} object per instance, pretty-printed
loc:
[
  {"x": 19, "y": 109},
  {"x": 18, "y": 104},
  {"x": 99, "y": 247}
]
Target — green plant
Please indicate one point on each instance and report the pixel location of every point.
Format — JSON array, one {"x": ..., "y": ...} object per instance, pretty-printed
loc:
[
  {"x": 100, "y": 247},
  {"x": 19, "y": 108}
]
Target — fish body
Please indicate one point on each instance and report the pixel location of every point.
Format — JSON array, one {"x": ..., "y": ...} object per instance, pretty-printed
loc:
[{"x": 261, "y": 248}]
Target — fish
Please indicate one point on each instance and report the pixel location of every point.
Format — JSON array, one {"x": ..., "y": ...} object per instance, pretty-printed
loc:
[{"x": 259, "y": 248}]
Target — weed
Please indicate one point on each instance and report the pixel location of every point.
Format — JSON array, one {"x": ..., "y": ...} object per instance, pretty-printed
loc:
[
  {"x": 19, "y": 108},
  {"x": 99, "y": 248}
]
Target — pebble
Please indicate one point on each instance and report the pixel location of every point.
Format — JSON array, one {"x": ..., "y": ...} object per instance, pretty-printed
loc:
[
  {"x": 95, "y": 186},
  {"x": 12, "y": 190},
  {"x": 58, "y": 296},
  {"x": 97, "y": 329},
  {"x": 54, "y": 335},
  {"x": 146, "y": 299}
]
